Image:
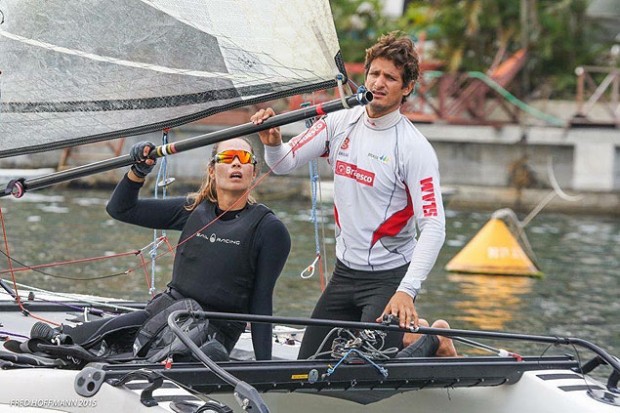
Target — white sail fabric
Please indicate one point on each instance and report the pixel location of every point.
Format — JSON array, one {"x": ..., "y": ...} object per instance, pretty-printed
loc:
[{"x": 79, "y": 71}]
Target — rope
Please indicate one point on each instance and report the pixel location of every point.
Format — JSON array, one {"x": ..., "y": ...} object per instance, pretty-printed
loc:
[
  {"x": 154, "y": 256},
  {"x": 313, "y": 169},
  {"x": 382, "y": 370},
  {"x": 161, "y": 180},
  {"x": 156, "y": 243},
  {"x": 314, "y": 178},
  {"x": 557, "y": 191},
  {"x": 339, "y": 80},
  {"x": 10, "y": 264},
  {"x": 498, "y": 351},
  {"x": 509, "y": 217},
  {"x": 35, "y": 268}
]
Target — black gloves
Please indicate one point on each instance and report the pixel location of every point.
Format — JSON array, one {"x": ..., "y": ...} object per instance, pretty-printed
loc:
[{"x": 140, "y": 168}]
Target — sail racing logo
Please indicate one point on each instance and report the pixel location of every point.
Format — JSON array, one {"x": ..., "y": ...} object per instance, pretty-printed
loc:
[
  {"x": 311, "y": 133},
  {"x": 352, "y": 171},
  {"x": 429, "y": 206},
  {"x": 214, "y": 238}
]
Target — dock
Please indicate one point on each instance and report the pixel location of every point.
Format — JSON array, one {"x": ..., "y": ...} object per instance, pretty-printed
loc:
[{"x": 485, "y": 166}]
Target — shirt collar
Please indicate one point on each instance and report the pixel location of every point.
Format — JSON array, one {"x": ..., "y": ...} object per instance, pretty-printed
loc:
[{"x": 383, "y": 122}]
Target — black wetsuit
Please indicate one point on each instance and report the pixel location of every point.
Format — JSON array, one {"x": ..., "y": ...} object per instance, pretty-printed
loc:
[{"x": 243, "y": 282}]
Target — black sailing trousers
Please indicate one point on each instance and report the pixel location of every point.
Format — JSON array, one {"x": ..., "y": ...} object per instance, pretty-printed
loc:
[{"x": 352, "y": 295}]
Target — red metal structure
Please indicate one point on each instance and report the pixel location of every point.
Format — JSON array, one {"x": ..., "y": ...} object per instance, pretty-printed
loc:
[
  {"x": 457, "y": 98},
  {"x": 466, "y": 98}
]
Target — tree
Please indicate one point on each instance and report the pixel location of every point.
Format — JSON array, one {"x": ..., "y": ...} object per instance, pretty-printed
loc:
[
  {"x": 476, "y": 34},
  {"x": 359, "y": 23}
]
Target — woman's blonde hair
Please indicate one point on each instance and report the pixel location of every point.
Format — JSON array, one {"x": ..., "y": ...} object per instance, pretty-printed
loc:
[{"x": 207, "y": 188}]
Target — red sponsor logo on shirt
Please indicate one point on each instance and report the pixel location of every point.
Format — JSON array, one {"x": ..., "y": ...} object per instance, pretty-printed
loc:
[
  {"x": 429, "y": 206},
  {"x": 349, "y": 170},
  {"x": 310, "y": 134},
  {"x": 345, "y": 144}
]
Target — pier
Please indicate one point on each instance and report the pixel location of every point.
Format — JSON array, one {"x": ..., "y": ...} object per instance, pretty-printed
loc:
[{"x": 482, "y": 166}]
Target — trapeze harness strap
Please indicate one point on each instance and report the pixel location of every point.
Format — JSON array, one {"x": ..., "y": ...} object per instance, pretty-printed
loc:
[
  {"x": 152, "y": 328},
  {"x": 222, "y": 248}
]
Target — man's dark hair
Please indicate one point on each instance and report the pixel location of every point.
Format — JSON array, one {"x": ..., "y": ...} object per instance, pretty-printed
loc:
[{"x": 400, "y": 50}]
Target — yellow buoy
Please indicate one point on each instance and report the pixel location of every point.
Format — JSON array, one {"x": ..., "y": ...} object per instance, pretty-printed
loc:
[{"x": 494, "y": 250}]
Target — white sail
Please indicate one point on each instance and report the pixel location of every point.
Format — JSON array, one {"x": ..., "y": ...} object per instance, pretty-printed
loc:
[{"x": 79, "y": 71}]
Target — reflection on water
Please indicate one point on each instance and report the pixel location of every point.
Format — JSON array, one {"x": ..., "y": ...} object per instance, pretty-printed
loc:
[
  {"x": 578, "y": 296},
  {"x": 490, "y": 302}
]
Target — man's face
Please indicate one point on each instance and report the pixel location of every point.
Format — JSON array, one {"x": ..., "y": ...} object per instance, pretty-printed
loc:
[{"x": 385, "y": 81}]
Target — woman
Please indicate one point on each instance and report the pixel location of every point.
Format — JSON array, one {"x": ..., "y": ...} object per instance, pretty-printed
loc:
[{"x": 231, "y": 250}]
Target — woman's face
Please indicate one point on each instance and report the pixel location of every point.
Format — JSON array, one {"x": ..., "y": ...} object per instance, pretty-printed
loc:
[{"x": 234, "y": 177}]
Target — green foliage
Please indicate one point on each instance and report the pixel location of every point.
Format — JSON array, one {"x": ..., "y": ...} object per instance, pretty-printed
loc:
[
  {"x": 466, "y": 34},
  {"x": 359, "y": 23},
  {"x": 566, "y": 39},
  {"x": 473, "y": 35}
]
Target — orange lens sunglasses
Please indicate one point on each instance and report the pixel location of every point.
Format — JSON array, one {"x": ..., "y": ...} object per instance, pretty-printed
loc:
[{"x": 230, "y": 155}]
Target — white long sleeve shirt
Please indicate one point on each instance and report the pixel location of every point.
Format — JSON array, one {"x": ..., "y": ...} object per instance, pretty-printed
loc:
[{"x": 386, "y": 179}]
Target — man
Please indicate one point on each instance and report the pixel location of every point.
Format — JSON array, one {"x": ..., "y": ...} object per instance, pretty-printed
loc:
[{"x": 386, "y": 181}]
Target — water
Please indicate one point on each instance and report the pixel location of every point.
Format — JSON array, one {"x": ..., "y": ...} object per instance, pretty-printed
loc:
[{"x": 579, "y": 254}]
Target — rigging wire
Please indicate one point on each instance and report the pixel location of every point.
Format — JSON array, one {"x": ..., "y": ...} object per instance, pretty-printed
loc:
[
  {"x": 316, "y": 193},
  {"x": 313, "y": 169},
  {"x": 154, "y": 256},
  {"x": 309, "y": 271},
  {"x": 163, "y": 182},
  {"x": 557, "y": 191},
  {"x": 10, "y": 264},
  {"x": 236, "y": 203},
  {"x": 170, "y": 249},
  {"x": 36, "y": 268},
  {"x": 73, "y": 298}
]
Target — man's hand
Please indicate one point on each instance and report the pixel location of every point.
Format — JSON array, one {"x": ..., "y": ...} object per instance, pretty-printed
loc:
[
  {"x": 401, "y": 306},
  {"x": 269, "y": 137}
]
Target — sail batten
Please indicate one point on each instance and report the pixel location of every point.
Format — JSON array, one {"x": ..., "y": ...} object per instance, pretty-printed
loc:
[{"x": 75, "y": 72}]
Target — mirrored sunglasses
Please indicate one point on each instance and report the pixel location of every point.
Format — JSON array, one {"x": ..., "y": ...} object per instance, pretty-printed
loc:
[{"x": 230, "y": 155}]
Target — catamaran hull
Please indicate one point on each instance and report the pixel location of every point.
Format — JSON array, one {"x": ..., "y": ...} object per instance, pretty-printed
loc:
[
  {"x": 548, "y": 391},
  {"x": 464, "y": 384}
]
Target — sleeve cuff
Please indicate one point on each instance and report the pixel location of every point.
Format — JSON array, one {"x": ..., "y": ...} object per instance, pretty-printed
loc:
[{"x": 413, "y": 292}]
